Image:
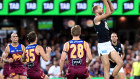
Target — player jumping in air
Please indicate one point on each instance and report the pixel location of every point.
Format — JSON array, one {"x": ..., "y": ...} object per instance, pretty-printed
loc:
[
  {"x": 13, "y": 53},
  {"x": 105, "y": 49},
  {"x": 76, "y": 50},
  {"x": 33, "y": 52},
  {"x": 120, "y": 49}
]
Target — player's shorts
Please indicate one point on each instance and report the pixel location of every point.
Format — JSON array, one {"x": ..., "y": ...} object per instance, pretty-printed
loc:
[
  {"x": 80, "y": 73},
  {"x": 105, "y": 48},
  {"x": 20, "y": 70},
  {"x": 36, "y": 74},
  {"x": 111, "y": 70},
  {"x": 8, "y": 73}
]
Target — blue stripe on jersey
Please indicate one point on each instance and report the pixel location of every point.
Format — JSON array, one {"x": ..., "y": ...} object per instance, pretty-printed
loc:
[
  {"x": 15, "y": 49},
  {"x": 76, "y": 41},
  {"x": 31, "y": 46}
]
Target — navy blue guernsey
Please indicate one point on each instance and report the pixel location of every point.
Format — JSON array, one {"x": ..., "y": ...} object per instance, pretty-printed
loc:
[
  {"x": 102, "y": 31},
  {"x": 118, "y": 48}
]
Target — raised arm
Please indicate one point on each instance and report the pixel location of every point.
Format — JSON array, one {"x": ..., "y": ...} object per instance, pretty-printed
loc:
[
  {"x": 123, "y": 53},
  {"x": 63, "y": 56},
  {"x": 104, "y": 15},
  {"x": 111, "y": 6},
  {"x": 45, "y": 56},
  {"x": 88, "y": 51}
]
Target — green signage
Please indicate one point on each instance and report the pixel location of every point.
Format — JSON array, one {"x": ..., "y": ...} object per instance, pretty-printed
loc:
[{"x": 65, "y": 7}]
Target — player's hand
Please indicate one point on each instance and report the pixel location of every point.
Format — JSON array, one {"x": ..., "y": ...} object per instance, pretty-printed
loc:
[
  {"x": 10, "y": 60},
  {"x": 60, "y": 74},
  {"x": 48, "y": 49},
  {"x": 87, "y": 64},
  {"x": 1, "y": 59}
]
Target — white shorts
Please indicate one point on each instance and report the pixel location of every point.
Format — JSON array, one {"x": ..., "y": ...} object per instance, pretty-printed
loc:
[
  {"x": 111, "y": 70},
  {"x": 105, "y": 48}
]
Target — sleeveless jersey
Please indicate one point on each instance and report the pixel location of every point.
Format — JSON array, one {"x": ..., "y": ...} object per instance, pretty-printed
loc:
[
  {"x": 102, "y": 31},
  {"x": 118, "y": 48},
  {"x": 76, "y": 53},
  {"x": 16, "y": 53},
  {"x": 31, "y": 56}
]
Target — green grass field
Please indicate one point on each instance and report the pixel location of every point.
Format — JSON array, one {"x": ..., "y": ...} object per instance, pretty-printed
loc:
[{"x": 91, "y": 78}]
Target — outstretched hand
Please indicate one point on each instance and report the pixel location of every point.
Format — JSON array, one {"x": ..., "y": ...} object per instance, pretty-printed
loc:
[{"x": 48, "y": 49}]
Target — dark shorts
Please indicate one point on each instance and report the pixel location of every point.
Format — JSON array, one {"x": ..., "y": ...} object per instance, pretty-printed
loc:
[
  {"x": 136, "y": 77},
  {"x": 80, "y": 73},
  {"x": 36, "y": 74},
  {"x": 21, "y": 70},
  {"x": 8, "y": 73}
]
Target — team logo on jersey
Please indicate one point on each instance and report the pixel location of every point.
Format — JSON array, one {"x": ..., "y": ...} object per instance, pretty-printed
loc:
[
  {"x": 104, "y": 51},
  {"x": 119, "y": 49},
  {"x": 12, "y": 50},
  {"x": 19, "y": 50},
  {"x": 12, "y": 74},
  {"x": 71, "y": 41},
  {"x": 24, "y": 73},
  {"x": 106, "y": 26}
]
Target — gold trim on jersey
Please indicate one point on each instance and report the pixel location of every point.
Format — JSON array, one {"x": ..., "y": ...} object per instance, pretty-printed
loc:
[
  {"x": 85, "y": 45},
  {"x": 68, "y": 47},
  {"x": 36, "y": 52}
]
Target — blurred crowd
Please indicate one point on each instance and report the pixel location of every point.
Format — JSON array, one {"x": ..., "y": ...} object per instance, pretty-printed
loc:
[{"x": 56, "y": 42}]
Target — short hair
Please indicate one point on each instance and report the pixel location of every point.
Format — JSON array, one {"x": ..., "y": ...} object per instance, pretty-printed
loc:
[
  {"x": 94, "y": 8},
  {"x": 31, "y": 36},
  {"x": 113, "y": 33},
  {"x": 13, "y": 33},
  {"x": 76, "y": 30}
]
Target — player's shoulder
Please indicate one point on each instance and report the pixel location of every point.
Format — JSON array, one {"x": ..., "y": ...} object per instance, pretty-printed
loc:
[
  {"x": 121, "y": 45},
  {"x": 39, "y": 46},
  {"x": 8, "y": 46},
  {"x": 66, "y": 43},
  {"x": 85, "y": 43},
  {"x": 22, "y": 45}
]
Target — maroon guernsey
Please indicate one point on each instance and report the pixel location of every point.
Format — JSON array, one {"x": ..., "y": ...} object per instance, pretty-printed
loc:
[
  {"x": 76, "y": 60},
  {"x": 33, "y": 63}
]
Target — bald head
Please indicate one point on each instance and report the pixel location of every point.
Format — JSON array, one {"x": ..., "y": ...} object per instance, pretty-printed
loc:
[
  {"x": 13, "y": 34},
  {"x": 97, "y": 10},
  {"x": 14, "y": 37}
]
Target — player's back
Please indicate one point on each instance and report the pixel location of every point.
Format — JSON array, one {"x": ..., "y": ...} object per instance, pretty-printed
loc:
[
  {"x": 32, "y": 58},
  {"x": 16, "y": 53},
  {"x": 77, "y": 60},
  {"x": 77, "y": 53}
]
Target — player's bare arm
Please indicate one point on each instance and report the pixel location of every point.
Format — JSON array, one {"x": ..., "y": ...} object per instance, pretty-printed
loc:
[
  {"x": 23, "y": 58},
  {"x": 45, "y": 56},
  {"x": 123, "y": 53},
  {"x": 7, "y": 51},
  {"x": 111, "y": 6},
  {"x": 88, "y": 53},
  {"x": 63, "y": 56},
  {"x": 104, "y": 15}
]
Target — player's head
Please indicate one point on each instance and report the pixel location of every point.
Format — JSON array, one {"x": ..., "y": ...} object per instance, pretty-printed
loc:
[
  {"x": 76, "y": 30},
  {"x": 114, "y": 37},
  {"x": 97, "y": 10},
  {"x": 55, "y": 61},
  {"x": 14, "y": 38},
  {"x": 32, "y": 37}
]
